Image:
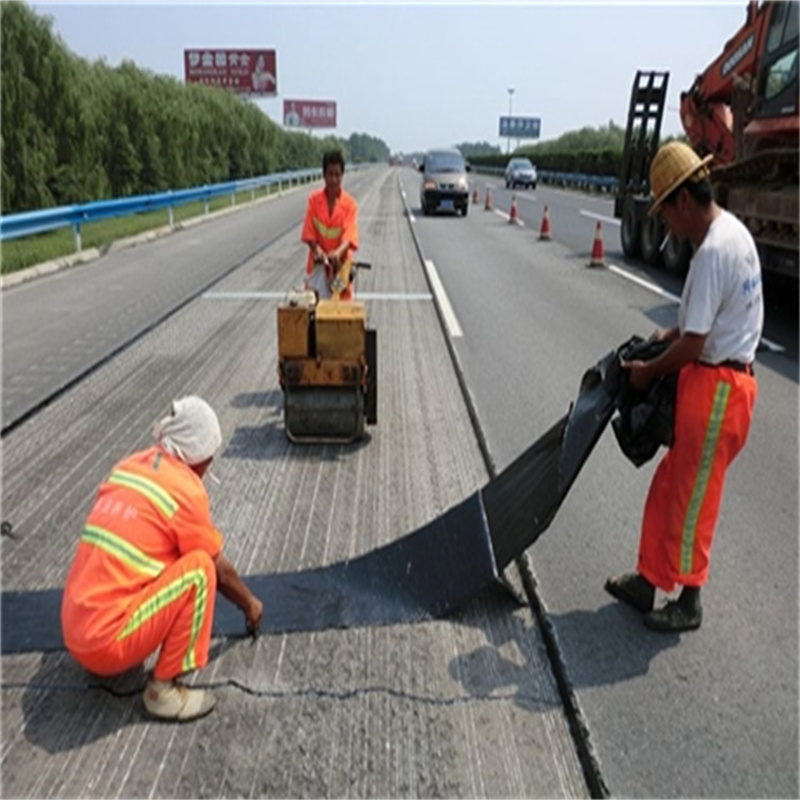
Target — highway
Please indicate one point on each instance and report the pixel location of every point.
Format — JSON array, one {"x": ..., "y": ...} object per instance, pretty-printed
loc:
[{"x": 463, "y": 707}]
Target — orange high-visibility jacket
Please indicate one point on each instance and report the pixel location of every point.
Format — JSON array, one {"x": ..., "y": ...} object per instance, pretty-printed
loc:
[
  {"x": 330, "y": 230},
  {"x": 150, "y": 511}
]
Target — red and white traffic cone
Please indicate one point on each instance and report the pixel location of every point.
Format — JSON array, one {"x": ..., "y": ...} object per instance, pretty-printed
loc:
[
  {"x": 487, "y": 206},
  {"x": 513, "y": 214},
  {"x": 544, "y": 230},
  {"x": 475, "y": 196},
  {"x": 598, "y": 253}
]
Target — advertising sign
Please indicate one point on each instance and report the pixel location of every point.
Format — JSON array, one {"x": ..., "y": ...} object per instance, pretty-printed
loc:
[
  {"x": 520, "y": 127},
  {"x": 248, "y": 72},
  {"x": 309, "y": 113}
]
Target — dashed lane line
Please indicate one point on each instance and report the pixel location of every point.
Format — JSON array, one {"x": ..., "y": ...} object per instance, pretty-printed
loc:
[{"x": 449, "y": 315}]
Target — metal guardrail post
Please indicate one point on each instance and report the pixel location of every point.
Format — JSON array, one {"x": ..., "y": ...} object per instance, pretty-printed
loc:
[
  {"x": 233, "y": 197},
  {"x": 171, "y": 218},
  {"x": 76, "y": 229}
]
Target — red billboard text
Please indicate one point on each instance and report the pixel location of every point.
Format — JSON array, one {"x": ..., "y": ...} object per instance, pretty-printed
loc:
[
  {"x": 250, "y": 72},
  {"x": 309, "y": 113}
]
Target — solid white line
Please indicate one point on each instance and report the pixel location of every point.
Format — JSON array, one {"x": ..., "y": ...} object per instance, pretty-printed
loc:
[
  {"x": 390, "y": 296},
  {"x": 243, "y": 295},
  {"x": 646, "y": 284},
  {"x": 282, "y": 295},
  {"x": 506, "y": 217},
  {"x": 767, "y": 343},
  {"x": 601, "y": 217},
  {"x": 444, "y": 303}
]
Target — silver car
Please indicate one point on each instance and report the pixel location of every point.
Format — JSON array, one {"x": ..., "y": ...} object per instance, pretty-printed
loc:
[
  {"x": 444, "y": 182},
  {"x": 520, "y": 172}
]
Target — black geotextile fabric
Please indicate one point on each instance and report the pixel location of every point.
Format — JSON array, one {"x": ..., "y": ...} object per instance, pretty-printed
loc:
[{"x": 425, "y": 574}]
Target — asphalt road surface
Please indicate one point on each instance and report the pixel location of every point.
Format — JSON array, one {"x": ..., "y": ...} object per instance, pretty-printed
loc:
[
  {"x": 712, "y": 713},
  {"x": 463, "y": 707}
]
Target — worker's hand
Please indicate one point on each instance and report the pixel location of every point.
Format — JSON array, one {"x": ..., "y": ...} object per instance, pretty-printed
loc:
[
  {"x": 639, "y": 377},
  {"x": 253, "y": 614},
  {"x": 335, "y": 259},
  {"x": 659, "y": 334}
]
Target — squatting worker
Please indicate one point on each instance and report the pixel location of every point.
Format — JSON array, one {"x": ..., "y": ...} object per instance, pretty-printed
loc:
[
  {"x": 720, "y": 319},
  {"x": 149, "y": 563},
  {"x": 330, "y": 230}
]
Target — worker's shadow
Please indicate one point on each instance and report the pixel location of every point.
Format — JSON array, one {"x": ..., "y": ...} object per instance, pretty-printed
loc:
[
  {"x": 509, "y": 666},
  {"x": 64, "y": 707},
  {"x": 601, "y": 647}
]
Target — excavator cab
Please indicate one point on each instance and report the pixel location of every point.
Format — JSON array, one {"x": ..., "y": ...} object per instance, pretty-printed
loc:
[{"x": 775, "y": 114}]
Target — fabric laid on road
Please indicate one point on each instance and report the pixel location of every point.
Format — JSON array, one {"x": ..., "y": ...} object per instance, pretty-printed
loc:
[{"x": 426, "y": 574}]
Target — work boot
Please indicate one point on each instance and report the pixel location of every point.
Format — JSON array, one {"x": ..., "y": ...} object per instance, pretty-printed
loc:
[
  {"x": 683, "y": 614},
  {"x": 634, "y": 590},
  {"x": 169, "y": 700}
]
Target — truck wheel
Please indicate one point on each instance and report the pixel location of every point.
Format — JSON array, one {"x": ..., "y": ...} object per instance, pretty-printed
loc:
[
  {"x": 630, "y": 231},
  {"x": 651, "y": 237},
  {"x": 677, "y": 255}
]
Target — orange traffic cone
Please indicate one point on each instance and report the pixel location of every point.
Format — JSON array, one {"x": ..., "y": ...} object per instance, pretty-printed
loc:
[
  {"x": 513, "y": 214},
  {"x": 475, "y": 196},
  {"x": 544, "y": 231},
  {"x": 598, "y": 253},
  {"x": 488, "y": 204}
]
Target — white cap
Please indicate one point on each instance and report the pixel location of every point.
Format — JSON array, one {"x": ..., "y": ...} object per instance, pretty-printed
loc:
[{"x": 191, "y": 432}]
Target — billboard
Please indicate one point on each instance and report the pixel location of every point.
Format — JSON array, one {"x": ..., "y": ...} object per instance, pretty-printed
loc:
[
  {"x": 520, "y": 127},
  {"x": 309, "y": 113},
  {"x": 248, "y": 72}
]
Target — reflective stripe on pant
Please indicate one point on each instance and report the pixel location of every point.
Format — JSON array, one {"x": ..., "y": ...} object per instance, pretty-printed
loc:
[
  {"x": 713, "y": 409},
  {"x": 175, "y": 611}
]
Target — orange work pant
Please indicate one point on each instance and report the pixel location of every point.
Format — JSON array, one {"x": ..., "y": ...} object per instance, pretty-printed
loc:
[
  {"x": 713, "y": 409},
  {"x": 175, "y": 612}
]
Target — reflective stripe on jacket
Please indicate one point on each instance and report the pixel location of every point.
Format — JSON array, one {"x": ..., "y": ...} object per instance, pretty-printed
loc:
[
  {"x": 149, "y": 512},
  {"x": 329, "y": 230}
]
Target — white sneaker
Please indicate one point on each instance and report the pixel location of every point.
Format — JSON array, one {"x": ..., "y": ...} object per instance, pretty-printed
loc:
[{"x": 169, "y": 700}]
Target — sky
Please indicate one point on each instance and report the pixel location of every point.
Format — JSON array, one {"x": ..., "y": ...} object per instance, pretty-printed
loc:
[{"x": 427, "y": 75}]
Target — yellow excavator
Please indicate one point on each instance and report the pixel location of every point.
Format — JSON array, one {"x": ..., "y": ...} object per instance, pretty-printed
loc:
[{"x": 327, "y": 367}]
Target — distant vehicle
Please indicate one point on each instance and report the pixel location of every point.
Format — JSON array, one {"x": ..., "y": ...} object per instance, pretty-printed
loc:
[
  {"x": 520, "y": 172},
  {"x": 444, "y": 182}
]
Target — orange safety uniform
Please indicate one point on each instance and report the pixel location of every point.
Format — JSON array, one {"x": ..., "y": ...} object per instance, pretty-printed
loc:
[
  {"x": 144, "y": 573},
  {"x": 329, "y": 230},
  {"x": 713, "y": 409}
]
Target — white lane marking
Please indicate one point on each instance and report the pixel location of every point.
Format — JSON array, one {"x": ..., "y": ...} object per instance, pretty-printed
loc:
[
  {"x": 767, "y": 343},
  {"x": 444, "y": 303},
  {"x": 601, "y": 217},
  {"x": 391, "y": 296},
  {"x": 507, "y": 216},
  {"x": 646, "y": 284},
  {"x": 407, "y": 296},
  {"x": 243, "y": 295}
]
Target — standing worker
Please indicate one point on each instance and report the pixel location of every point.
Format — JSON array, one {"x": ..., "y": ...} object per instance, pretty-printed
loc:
[
  {"x": 720, "y": 319},
  {"x": 148, "y": 564},
  {"x": 330, "y": 230}
]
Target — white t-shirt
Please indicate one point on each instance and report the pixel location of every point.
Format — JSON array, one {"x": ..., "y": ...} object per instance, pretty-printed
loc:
[{"x": 722, "y": 296}]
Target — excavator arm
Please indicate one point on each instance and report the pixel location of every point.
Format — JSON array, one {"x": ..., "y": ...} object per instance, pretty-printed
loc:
[{"x": 706, "y": 112}]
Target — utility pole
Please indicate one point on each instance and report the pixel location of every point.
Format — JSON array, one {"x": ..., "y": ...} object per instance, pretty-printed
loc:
[{"x": 510, "y": 95}]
